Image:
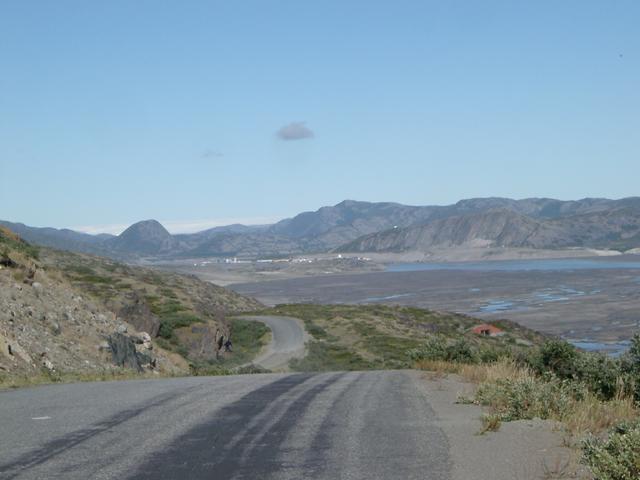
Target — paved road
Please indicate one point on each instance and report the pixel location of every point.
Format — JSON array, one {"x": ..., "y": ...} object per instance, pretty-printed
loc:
[
  {"x": 288, "y": 339},
  {"x": 356, "y": 425}
]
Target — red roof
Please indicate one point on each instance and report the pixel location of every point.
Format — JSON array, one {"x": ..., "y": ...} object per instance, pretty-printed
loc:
[{"x": 486, "y": 329}]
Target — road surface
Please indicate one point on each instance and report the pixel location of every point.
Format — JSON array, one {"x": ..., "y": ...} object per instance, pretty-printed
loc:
[
  {"x": 288, "y": 337},
  {"x": 356, "y": 425}
]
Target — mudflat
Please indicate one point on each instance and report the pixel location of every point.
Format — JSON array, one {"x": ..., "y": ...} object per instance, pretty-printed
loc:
[{"x": 597, "y": 304}]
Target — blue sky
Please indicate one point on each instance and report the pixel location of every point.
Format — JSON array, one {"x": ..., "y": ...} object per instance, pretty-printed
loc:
[{"x": 190, "y": 111}]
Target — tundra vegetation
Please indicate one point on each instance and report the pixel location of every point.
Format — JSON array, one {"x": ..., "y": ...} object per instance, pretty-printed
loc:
[{"x": 369, "y": 337}]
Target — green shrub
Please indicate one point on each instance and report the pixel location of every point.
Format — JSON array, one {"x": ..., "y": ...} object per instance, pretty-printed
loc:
[
  {"x": 168, "y": 323},
  {"x": 438, "y": 348},
  {"x": 630, "y": 367},
  {"x": 324, "y": 356},
  {"x": 461, "y": 351},
  {"x": 556, "y": 356},
  {"x": 617, "y": 457},
  {"x": 435, "y": 348},
  {"x": 490, "y": 355},
  {"x": 599, "y": 373},
  {"x": 528, "y": 397}
]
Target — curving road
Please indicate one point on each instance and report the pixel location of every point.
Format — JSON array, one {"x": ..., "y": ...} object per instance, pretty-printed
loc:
[
  {"x": 288, "y": 338},
  {"x": 356, "y": 425}
]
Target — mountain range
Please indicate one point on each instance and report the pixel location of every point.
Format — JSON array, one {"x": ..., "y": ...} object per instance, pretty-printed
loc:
[{"x": 354, "y": 226}]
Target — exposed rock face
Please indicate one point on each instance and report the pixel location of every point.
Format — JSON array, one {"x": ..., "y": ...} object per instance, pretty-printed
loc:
[
  {"x": 125, "y": 354},
  {"x": 138, "y": 314},
  {"x": 74, "y": 313}
]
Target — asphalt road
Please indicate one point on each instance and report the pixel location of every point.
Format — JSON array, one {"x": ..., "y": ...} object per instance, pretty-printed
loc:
[
  {"x": 287, "y": 341},
  {"x": 356, "y": 425}
]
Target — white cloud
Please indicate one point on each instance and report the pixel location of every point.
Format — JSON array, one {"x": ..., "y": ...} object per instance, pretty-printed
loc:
[
  {"x": 295, "y": 131},
  {"x": 209, "y": 153}
]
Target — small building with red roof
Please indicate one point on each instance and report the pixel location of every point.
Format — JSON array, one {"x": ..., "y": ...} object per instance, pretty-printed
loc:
[{"x": 488, "y": 330}]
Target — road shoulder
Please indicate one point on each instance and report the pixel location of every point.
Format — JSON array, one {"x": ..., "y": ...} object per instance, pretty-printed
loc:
[{"x": 524, "y": 449}]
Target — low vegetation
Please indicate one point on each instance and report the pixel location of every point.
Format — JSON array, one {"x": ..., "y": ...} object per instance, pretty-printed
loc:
[
  {"x": 10, "y": 242},
  {"x": 618, "y": 456},
  {"x": 595, "y": 397},
  {"x": 366, "y": 337},
  {"x": 249, "y": 337}
]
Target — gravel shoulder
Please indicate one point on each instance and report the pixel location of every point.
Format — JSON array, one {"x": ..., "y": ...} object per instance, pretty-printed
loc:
[{"x": 525, "y": 449}]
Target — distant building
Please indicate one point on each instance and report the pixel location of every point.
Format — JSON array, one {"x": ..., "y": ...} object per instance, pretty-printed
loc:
[{"x": 488, "y": 330}]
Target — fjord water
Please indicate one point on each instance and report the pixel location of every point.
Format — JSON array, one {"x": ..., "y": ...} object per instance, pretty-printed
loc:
[{"x": 555, "y": 264}]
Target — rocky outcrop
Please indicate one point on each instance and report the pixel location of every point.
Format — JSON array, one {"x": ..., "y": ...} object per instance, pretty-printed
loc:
[
  {"x": 125, "y": 354},
  {"x": 68, "y": 313},
  {"x": 48, "y": 326},
  {"x": 137, "y": 313}
]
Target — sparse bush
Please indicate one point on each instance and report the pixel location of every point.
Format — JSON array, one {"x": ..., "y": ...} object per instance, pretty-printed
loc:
[
  {"x": 527, "y": 396},
  {"x": 438, "y": 348},
  {"x": 490, "y": 423},
  {"x": 617, "y": 457}
]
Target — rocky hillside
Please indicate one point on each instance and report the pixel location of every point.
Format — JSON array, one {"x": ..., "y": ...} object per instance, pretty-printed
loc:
[
  {"x": 365, "y": 226},
  {"x": 65, "y": 313},
  {"x": 617, "y": 228}
]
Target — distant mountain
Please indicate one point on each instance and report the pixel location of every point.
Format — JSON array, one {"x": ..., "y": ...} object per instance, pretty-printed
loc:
[
  {"x": 374, "y": 227},
  {"x": 62, "y": 239},
  {"x": 615, "y": 228},
  {"x": 148, "y": 237}
]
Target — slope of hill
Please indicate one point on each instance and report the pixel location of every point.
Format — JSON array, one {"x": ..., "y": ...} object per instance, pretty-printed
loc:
[
  {"x": 611, "y": 228},
  {"x": 66, "y": 313},
  {"x": 365, "y": 337},
  {"x": 364, "y": 226},
  {"x": 63, "y": 239}
]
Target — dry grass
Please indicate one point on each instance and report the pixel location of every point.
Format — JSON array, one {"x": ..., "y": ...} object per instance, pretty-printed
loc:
[
  {"x": 490, "y": 423},
  {"x": 492, "y": 372},
  {"x": 580, "y": 416},
  {"x": 592, "y": 415},
  {"x": 476, "y": 373}
]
